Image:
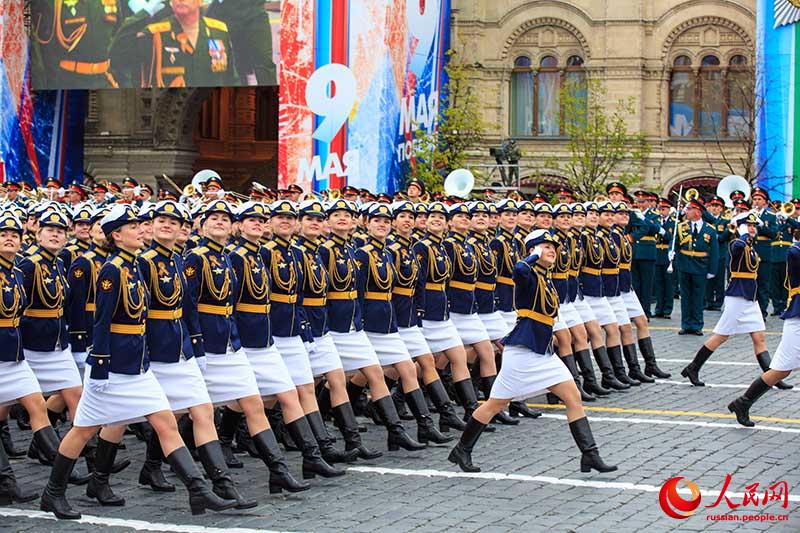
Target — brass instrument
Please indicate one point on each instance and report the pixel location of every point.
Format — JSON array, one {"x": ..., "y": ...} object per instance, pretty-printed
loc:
[
  {"x": 788, "y": 209},
  {"x": 516, "y": 196},
  {"x": 601, "y": 198},
  {"x": 189, "y": 191},
  {"x": 691, "y": 194},
  {"x": 334, "y": 194},
  {"x": 425, "y": 197}
]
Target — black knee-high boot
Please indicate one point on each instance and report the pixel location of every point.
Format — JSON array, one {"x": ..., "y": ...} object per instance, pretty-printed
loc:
[
  {"x": 764, "y": 361},
  {"x": 213, "y": 461},
  {"x": 345, "y": 420},
  {"x": 692, "y": 370},
  {"x": 8, "y": 443},
  {"x": 617, "y": 363},
  {"x": 54, "y": 498},
  {"x": 324, "y": 400},
  {"x": 502, "y": 417},
  {"x": 466, "y": 397},
  {"x": 590, "y": 384},
  {"x": 569, "y": 362},
  {"x": 325, "y": 442},
  {"x": 461, "y": 454},
  {"x": 741, "y": 405},
  {"x": 426, "y": 430},
  {"x": 280, "y": 478},
  {"x": 186, "y": 430},
  {"x": 275, "y": 417},
  {"x": 444, "y": 406},
  {"x": 226, "y": 430},
  {"x": 98, "y": 486},
  {"x": 358, "y": 398},
  {"x": 10, "y": 491},
  {"x": 313, "y": 463},
  {"x": 201, "y": 497},
  {"x": 44, "y": 448},
  {"x": 650, "y": 364},
  {"x": 22, "y": 417},
  {"x": 151, "y": 473},
  {"x": 397, "y": 437},
  {"x": 590, "y": 456},
  {"x": 608, "y": 379},
  {"x": 396, "y": 389},
  {"x": 634, "y": 370}
]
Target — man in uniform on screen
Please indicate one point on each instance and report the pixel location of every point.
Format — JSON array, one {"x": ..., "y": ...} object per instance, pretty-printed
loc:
[{"x": 185, "y": 49}]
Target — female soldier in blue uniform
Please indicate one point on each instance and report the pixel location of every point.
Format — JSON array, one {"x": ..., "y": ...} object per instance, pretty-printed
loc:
[
  {"x": 172, "y": 357},
  {"x": 120, "y": 387},
  {"x": 529, "y": 365}
]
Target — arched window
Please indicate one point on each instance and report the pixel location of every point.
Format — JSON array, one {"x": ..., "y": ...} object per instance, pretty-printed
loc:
[
  {"x": 710, "y": 99},
  {"x": 522, "y": 98},
  {"x": 536, "y": 107}
]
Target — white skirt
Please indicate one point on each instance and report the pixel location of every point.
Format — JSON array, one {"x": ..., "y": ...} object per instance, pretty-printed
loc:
[
  {"x": 602, "y": 309},
  {"x": 228, "y": 377},
  {"x": 559, "y": 325},
  {"x": 620, "y": 310},
  {"x": 415, "y": 341},
  {"x": 295, "y": 358},
  {"x": 323, "y": 356},
  {"x": 496, "y": 326},
  {"x": 80, "y": 360},
  {"x": 54, "y": 371},
  {"x": 569, "y": 315},
  {"x": 16, "y": 381},
  {"x": 470, "y": 328},
  {"x": 739, "y": 316},
  {"x": 182, "y": 383},
  {"x": 510, "y": 317},
  {"x": 787, "y": 356},
  {"x": 390, "y": 347},
  {"x": 583, "y": 309},
  {"x": 271, "y": 373},
  {"x": 126, "y": 400},
  {"x": 355, "y": 350},
  {"x": 526, "y": 373},
  {"x": 632, "y": 304},
  {"x": 441, "y": 335}
]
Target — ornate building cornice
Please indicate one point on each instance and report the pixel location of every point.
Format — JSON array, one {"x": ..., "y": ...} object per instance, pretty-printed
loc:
[{"x": 545, "y": 21}]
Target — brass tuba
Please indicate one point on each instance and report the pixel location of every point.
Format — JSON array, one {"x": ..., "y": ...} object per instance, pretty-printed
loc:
[{"x": 691, "y": 194}]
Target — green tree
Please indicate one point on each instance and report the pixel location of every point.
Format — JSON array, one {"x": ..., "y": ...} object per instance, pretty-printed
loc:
[
  {"x": 601, "y": 147},
  {"x": 460, "y": 127}
]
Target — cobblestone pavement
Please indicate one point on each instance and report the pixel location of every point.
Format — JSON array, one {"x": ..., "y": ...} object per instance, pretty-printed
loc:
[{"x": 531, "y": 479}]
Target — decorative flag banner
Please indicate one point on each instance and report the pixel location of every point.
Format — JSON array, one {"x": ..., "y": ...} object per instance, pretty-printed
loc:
[
  {"x": 778, "y": 86},
  {"x": 357, "y": 79},
  {"x": 41, "y": 134}
]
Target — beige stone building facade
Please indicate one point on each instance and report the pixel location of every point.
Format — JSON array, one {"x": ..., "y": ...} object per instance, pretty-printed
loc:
[{"x": 677, "y": 58}]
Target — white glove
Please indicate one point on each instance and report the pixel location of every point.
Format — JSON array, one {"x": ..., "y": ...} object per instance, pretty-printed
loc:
[
  {"x": 202, "y": 363},
  {"x": 671, "y": 255},
  {"x": 97, "y": 385},
  {"x": 710, "y": 276},
  {"x": 537, "y": 250},
  {"x": 662, "y": 231},
  {"x": 741, "y": 229}
]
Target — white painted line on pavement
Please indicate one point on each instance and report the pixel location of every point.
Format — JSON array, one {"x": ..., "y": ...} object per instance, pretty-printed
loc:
[
  {"x": 138, "y": 525},
  {"x": 723, "y": 363},
  {"x": 498, "y": 476},
  {"x": 709, "y": 385},
  {"x": 662, "y": 422}
]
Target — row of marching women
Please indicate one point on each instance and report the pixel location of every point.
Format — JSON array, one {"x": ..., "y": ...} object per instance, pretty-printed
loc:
[{"x": 259, "y": 323}]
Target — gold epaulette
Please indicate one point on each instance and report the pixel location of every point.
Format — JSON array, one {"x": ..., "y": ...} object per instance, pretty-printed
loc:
[
  {"x": 395, "y": 246},
  {"x": 240, "y": 251},
  {"x": 216, "y": 24},
  {"x": 270, "y": 245},
  {"x": 200, "y": 250},
  {"x": 34, "y": 258},
  {"x": 159, "y": 27},
  {"x": 329, "y": 244},
  {"x": 149, "y": 254},
  {"x": 367, "y": 247},
  {"x": 89, "y": 255},
  {"x": 117, "y": 261}
]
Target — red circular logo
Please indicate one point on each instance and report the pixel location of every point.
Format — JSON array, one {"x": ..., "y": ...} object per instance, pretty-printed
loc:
[{"x": 673, "y": 504}]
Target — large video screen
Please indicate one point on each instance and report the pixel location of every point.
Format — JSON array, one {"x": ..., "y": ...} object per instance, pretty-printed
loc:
[{"x": 100, "y": 44}]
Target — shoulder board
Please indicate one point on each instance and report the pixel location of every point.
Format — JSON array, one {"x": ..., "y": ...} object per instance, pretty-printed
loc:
[
  {"x": 271, "y": 245},
  {"x": 329, "y": 244},
  {"x": 426, "y": 242},
  {"x": 71, "y": 247},
  {"x": 216, "y": 24},
  {"x": 395, "y": 246},
  {"x": 34, "y": 258},
  {"x": 241, "y": 251},
  {"x": 159, "y": 27},
  {"x": 117, "y": 261},
  {"x": 149, "y": 254},
  {"x": 200, "y": 250},
  {"x": 367, "y": 248}
]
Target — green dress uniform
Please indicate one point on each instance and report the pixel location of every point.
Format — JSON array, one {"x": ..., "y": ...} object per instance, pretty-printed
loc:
[
  {"x": 715, "y": 291},
  {"x": 766, "y": 235},
  {"x": 643, "y": 233},
  {"x": 160, "y": 54},
  {"x": 697, "y": 256},
  {"x": 663, "y": 290},
  {"x": 780, "y": 248},
  {"x": 251, "y": 36},
  {"x": 70, "y": 40}
]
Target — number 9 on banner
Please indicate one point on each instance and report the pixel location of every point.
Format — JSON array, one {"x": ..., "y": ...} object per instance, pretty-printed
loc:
[{"x": 331, "y": 94}]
